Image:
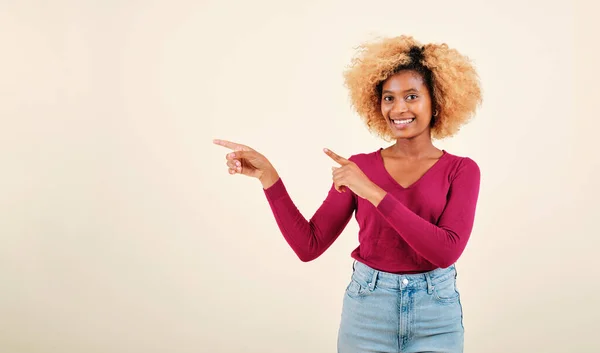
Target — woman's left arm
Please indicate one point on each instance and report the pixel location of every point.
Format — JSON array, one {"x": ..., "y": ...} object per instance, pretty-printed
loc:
[{"x": 440, "y": 244}]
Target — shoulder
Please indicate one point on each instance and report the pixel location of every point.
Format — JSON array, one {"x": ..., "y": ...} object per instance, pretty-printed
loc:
[
  {"x": 364, "y": 159},
  {"x": 462, "y": 166}
]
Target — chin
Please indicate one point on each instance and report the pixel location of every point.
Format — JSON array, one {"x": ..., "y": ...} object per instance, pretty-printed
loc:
[{"x": 406, "y": 134}]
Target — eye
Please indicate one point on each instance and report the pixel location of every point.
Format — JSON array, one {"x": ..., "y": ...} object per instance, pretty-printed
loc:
[
  {"x": 388, "y": 98},
  {"x": 411, "y": 97}
]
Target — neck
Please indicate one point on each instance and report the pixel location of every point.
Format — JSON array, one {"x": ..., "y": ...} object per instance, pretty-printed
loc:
[{"x": 416, "y": 147}]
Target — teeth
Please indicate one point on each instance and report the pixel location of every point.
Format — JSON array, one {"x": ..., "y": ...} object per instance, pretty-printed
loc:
[{"x": 405, "y": 121}]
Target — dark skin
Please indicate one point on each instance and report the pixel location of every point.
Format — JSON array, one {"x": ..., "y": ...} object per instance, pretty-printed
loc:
[{"x": 404, "y": 95}]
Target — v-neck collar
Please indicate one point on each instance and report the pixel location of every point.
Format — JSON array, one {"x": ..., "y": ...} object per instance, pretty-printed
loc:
[{"x": 414, "y": 184}]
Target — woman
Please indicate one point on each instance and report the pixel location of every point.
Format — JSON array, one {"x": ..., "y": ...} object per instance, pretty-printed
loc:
[{"x": 414, "y": 203}]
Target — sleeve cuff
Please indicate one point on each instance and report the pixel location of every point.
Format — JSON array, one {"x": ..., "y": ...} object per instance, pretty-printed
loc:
[
  {"x": 387, "y": 204},
  {"x": 275, "y": 191}
]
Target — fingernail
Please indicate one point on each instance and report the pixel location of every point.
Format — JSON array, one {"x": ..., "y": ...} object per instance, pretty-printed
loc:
[{"x": 237, "y": 163}]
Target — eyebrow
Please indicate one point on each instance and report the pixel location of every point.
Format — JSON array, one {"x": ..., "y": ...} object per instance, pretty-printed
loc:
[{"x": 405, "y": 91}]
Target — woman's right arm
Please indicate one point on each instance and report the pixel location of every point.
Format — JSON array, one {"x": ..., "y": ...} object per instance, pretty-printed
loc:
[{"x": 310, "y": 238}]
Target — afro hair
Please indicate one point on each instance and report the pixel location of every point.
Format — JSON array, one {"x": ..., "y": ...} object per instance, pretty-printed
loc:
[{"x": 450, "y": 77}]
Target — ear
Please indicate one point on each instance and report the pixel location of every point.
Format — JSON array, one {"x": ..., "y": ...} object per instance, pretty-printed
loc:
[{"x": 434, "y": 116}]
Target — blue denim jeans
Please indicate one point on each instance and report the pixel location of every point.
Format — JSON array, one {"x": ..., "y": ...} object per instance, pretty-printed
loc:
[{"x": 385, "y": 312}]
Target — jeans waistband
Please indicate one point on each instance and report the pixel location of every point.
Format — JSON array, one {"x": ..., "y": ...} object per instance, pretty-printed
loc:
[{"x": 383, "y": 279}]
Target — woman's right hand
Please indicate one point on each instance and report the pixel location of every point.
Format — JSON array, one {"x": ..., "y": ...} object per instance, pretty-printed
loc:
[{"x": 246, "y": 161}]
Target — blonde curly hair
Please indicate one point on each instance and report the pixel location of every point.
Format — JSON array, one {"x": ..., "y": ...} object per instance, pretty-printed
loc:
[{"x": 450, "y": 76}]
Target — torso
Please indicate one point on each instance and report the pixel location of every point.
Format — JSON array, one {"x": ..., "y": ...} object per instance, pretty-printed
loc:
[
  {"x": 405, "y": 171},
  {"x": 421, "y": 185}
]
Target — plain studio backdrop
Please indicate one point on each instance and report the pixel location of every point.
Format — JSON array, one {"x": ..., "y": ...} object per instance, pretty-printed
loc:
[{"x": 121, "y": 230}]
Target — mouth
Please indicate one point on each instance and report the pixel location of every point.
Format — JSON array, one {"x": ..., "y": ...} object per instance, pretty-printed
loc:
[{"x": 401, "y": 123}]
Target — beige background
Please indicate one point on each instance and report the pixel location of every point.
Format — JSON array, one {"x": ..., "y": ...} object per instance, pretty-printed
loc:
[{"x": 121, "y": 230}]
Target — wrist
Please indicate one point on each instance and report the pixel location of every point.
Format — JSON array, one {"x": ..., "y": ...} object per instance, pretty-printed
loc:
[
  {"x": 268, "y": 178},
  {"x": 376, "y": 195}
]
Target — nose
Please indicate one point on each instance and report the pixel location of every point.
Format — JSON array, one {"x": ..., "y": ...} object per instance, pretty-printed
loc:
[{"x": 399, "y": 106}]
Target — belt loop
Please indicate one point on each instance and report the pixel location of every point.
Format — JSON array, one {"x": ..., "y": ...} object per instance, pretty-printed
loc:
[
  {"x": 373, "y": 280},
  {"x": 429, "y": 285}
]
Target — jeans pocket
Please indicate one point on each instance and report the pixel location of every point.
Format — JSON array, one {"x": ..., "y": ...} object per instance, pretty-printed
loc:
[
  {"x": 445, "y": 291},
  {"x": 356, "y": 289}
]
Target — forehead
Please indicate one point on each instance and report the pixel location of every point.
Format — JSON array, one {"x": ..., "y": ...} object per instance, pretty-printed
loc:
[{"x": 404, "y": 80}]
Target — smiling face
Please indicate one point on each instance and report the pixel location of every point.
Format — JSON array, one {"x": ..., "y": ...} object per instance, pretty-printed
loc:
[{"x": 406, "y": 105}]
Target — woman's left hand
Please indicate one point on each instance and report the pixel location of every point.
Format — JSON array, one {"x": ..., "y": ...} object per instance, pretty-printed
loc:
[{"x": 350, "y": 176}]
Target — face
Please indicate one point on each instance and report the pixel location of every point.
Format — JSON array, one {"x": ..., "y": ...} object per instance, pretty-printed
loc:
[{"x": 406, "y": 105}]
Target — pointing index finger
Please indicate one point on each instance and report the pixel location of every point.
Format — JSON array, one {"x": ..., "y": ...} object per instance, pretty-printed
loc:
[
  {"x": 231, "y": 145},
  {"x": 335, "y": 157}
]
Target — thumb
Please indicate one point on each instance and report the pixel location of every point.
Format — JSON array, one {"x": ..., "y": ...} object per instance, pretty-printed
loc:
[{"x": 240, "y": 154}]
